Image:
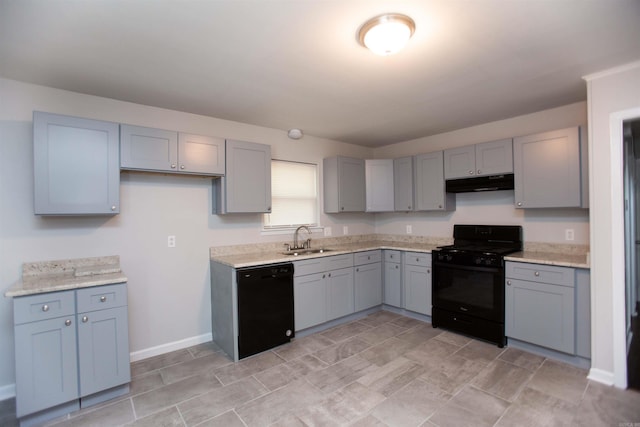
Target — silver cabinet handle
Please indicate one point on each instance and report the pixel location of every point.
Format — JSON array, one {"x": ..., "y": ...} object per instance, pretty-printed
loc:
[
  {"x": 397, "y": 267},
  {"x": 409, "y": 207},
  {"x": 357, "y": 269},
  {"x": 103, "y": 298},
  {"x": 113, "y": 207},
  {"x": 537, "y": 273},
  {"x": 67, "y": 322},
  {"x": 85, "y": 319},
  {"x": 439, "y": 206},
  {"x": 324, "y": 275},
  {"x": 508, "y": 282},
  {"x": 368, "y": 257},
  {"x": 428, "y": 270},
  {"x": 470, "y": 172},
  {"x": 173, "y": 166},
  {"x": 342, "y": 208},
  {"x": 181, "y": 166},
  {"x": 45, "y": 307},
  {"x": 479, "y": 172},
  {"x": 519, "y": 203},
  {"x": 269, "y": 208}
]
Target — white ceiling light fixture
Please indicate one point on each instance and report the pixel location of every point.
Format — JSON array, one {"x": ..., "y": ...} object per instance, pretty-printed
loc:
[
  {"x": 295, "y": 133},
  {"x": 386, "y": 34}
]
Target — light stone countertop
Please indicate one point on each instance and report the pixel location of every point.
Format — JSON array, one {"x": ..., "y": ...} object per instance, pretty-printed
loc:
[
  {"x": 62, "y": 275},
  {"x": 550, "y": 258}
]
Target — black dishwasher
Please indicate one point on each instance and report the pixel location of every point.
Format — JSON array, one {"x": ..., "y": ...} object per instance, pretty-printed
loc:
[{"x": 265, "y": 308}]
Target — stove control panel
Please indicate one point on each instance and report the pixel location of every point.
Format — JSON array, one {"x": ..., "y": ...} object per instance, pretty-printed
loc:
[{"x": 467, "y": 258}]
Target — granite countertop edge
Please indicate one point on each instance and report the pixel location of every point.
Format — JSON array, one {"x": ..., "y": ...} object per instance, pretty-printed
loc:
[
  {"x": 550, "y": 258},
  {"x": 64, "y": 282}
]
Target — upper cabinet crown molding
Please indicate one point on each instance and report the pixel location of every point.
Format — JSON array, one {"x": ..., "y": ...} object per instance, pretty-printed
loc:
[
  {"x": 76, "y": 165},
  {"x": 487, "y": 158}
]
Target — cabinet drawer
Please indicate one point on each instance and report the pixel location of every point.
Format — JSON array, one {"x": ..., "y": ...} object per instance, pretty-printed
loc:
[
  {"x": 102, "y": 297},
  {"x": 43, "y": 306},
  {"x": 392, "y": 256},
  {"x": 338, "y": 261},
  {"x": 417, "y": 258},
  {"x": 308, "y": 266},
  {"x": 563, "y": 276},
  {"x": 368, "y": 257}
]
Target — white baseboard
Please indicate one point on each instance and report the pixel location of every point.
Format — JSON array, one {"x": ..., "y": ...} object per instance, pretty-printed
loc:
[
  {"x": 7, "y": 391},
  {"x": 604, "y": 377},
  {"x": 168, "y": 347}
]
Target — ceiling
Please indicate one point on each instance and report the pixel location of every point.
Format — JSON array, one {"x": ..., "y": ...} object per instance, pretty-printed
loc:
[{"x": 297, "y": 63}]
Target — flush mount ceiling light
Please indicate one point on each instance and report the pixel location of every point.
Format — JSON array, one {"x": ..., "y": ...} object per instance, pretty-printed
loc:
[
  {"x": 295, "y": 133},
  {"x": 386, "y": 34}
]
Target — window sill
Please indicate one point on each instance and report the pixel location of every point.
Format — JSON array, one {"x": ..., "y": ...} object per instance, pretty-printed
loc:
[{"x": 289, "y": 231}]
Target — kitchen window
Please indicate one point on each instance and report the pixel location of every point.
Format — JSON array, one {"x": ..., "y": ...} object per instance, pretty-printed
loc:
[{"x": 294, "y": 196}]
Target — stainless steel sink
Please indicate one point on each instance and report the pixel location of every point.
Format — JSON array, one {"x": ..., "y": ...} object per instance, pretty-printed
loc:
[{"x": 306, "y": 251}]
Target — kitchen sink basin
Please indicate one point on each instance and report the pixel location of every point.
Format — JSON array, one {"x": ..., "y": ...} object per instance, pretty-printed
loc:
[{"x": 306, "y": 251}]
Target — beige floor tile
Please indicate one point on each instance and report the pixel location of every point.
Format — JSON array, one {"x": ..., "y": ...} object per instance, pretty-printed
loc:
[
  {"x": 392, "y": 377},
  {"x": 407, "y": 322},
  {"x": 169, "y": 417},
  {"x": 228, "y": 419},
  {"x": 386, "y": 351},
  {"x": 502, "y": 379},
  {"x": 420, "y": 334},
  {"x": 603, "y": 405},
  {"x": 480, "y": 351},
  {"x": 346, "y": 331},
  {"x": 145, "y": 383},
  {"x": 560, "y": 380},
  {"x": 204, "y": 349},
  {"x": 8, "y": 413},
  {"x": 368, "y": 421},
  {"x": 220, "y": 400},
  {"x": 378, "y": 318},
  {"x": 247, "y": 367},
  {"x": 522, "y": 358},
  {"x": 341, "y": 374},
  {"x": 451, "y": 373},
  {"x": 453, "y": 338},
  {"x": 342, "y": 350},
  {"x": 470, "y": 407},
  {"x": 169, "y": 395},
  {"x": 151, "y": 364},
  {"x": 380, "y": 333},
  {"x": 111, "y": 415},
  {"x": 301, "y": 346},
  {"x": 412, "y": 405},
  {"x": 273, "y": 406},
  {"x": 191, "y": 367},
  {"x": 534, "y": 408},
  {"x": 432, "y": 351},
  {"x": 283, "y": 374}
]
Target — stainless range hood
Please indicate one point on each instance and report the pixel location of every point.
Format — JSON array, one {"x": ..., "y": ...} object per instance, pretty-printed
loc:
[{"x": 480, "y": 183}]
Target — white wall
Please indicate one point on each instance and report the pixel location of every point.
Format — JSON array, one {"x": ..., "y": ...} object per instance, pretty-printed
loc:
[
  {"x": 168, "y": 288},
  {"x": 612, "y": 96},
  {"x": 539, "y": 225}
]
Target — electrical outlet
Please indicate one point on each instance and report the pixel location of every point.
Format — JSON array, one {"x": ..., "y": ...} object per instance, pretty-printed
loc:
[
  {"x": 409, "y": 229},
  {"x": 171, "y": 241},
  {"x": 345, "y": 230},
  {"x": 568, "y": 234},
  {"x": 327, "y": 231}
]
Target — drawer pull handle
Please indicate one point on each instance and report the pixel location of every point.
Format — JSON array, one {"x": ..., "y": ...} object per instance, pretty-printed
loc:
[
  {"x": 67, "y": 322},
  {"x": 324, "y": 275},
  {"x": 45, "y": 307},
  {"x": 508, "y": 282},
  {"x": 103, "y": 298},
  {"x": 397, "y": 267},
  {"x": 85, "y": 319},
  {"x": 417, "y": 259},
  {"x": 537, "y": 273}
]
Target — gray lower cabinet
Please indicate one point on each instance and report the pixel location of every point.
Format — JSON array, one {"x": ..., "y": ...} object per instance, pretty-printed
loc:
[
  {"x": 323, "y": 289},
  {"x": 246, "y": 185},
  {"x": 548, "y": 306},
  {"x": 416, "y": 282},
  {"x": 344, "y": 184},
  {"x": 70, "y": 346},
  {"x": 487, "y": 158},
  {"x": 429, "y": 185},
  {"x": 160, "y": 150},
  {"x": 403, "y": 183},
  {"x": 550, "y": 169},
  {"x": 76, "y": 165},
  {"x": 368, "y": 279},
  {"x": 392, "y": 278}
]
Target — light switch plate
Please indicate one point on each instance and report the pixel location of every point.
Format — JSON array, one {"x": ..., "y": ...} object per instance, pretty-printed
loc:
[{"x": 171, "y": 241}]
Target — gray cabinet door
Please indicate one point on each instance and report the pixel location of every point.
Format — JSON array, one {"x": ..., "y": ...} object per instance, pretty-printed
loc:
[
  {"x": 541, "y": 314},
  {"x": 460, "y": 162},
  {"x": 202, "y": 155},
  {"x": 339, "y": 293},
  {"x": 392, "y": 284},
  {"x": 547, "y": 169},
  {"x": 343, "y": 184},
  {"x": 150, "y": 149},
  {"x": 403, "y": 183},
  {"x": 379, "y": 185},
  {"x": 417, "y": 288},
  {"x": 46, "y": 364},
  {"x": 494, "y": 157},
  {"x": 76, "y": 165},
  {"x": 103, "y": 349},
  {"x": 246, "y": 186},
  {"x": 429, "y": 184},
  {"x": 310, "y": 300},
  {"x": 368, "y": 286}
]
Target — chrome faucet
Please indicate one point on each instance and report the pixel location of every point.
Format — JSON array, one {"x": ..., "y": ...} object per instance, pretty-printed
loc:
[{"x": 305, "y": 245}]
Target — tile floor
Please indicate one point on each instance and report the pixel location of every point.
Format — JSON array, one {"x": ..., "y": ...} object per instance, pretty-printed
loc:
[{"x": 381, "y": 370}]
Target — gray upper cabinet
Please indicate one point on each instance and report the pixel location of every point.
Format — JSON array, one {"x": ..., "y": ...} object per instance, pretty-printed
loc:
[
  {"x": 150, "y": 149},
  {"x": 550, "y": 170},
  {"x": 379, "y": 185},
  {"x": 429, "y": 184},
  {"x": 344, "y": 184},
  {"x": 487, "y": 158},
  {"x": 403, "y": 183},
  {"x": 76, "y": 166},
  {"x": 246, "y": 186}
]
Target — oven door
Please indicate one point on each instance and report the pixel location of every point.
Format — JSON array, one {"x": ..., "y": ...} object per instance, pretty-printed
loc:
[{"x": 471, "y": 290}]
